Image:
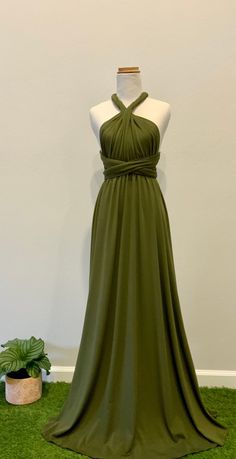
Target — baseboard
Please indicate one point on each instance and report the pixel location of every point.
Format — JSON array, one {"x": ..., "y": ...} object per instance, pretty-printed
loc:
[
  {"x": 217, "y": 378},
  {"x": 210, "y": 378},
  {"x": 59, "y": 373}
]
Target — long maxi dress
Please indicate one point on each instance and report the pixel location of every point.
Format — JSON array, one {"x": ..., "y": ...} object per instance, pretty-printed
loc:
[{"x": 134, "y": 391}]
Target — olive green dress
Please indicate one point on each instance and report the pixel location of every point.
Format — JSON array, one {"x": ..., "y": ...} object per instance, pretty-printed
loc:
[{"x": 134, "y": 391}]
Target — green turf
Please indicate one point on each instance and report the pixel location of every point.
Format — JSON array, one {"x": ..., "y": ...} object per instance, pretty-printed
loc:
[{"x": 20, "y": 426}]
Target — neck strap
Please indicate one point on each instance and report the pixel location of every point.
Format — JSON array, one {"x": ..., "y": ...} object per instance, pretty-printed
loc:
[{"x": 118, "y": 102}]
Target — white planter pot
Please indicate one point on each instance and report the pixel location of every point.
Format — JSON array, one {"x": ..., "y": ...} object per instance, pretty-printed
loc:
[{"x": 23, "y": 390}]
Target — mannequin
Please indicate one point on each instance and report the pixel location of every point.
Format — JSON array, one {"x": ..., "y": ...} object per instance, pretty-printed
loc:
[
  {"x": 134, "y": 392},
  {"x": 129, "y": 86}
]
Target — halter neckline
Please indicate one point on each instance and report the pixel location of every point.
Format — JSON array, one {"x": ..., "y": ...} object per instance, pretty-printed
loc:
[{"x": 135, "y": 102}]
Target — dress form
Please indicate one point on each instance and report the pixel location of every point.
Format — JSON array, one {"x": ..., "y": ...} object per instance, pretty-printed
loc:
[
  {"x": 128, "y": 88},
  {"x": 134, "y": 392}
]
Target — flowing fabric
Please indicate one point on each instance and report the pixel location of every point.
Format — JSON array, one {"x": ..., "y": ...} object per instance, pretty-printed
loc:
[{"x": 134, "y": 391}]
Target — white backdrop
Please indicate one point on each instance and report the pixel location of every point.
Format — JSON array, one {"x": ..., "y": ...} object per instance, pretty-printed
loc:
[{"x": 57, "y": 60}]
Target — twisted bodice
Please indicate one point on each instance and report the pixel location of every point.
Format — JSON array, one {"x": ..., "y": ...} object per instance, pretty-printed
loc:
[{"x": 129, "y": 143}]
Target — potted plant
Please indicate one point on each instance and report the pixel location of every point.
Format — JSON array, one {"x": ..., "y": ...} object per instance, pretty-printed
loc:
[{"x": 22, "y": 363}]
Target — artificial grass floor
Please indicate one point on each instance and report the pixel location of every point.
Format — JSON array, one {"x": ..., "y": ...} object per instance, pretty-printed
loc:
[{"x": 20, "y": 426}]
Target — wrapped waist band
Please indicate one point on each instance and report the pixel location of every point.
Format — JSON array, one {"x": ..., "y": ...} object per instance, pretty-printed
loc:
[{"x": 142, "y": 166}]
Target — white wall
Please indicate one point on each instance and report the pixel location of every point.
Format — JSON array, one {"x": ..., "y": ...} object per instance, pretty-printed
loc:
[{"x": 57, "y": 60}]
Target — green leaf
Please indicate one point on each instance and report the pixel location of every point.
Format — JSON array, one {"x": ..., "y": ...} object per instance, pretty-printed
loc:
[
  {"x": 28, "y": 349},
  {"x": 33, "y": 369},
  {"x": 24, "y": 353},
  {"x": 12, "y": 343},
  {"x": 44, "y": 363},
  {"x": 10, "y": 360},
  {"x": 32, "y": 348}
]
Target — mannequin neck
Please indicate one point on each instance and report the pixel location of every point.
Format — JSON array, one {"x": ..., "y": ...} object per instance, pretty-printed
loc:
[{"x": 129, "y": 86}]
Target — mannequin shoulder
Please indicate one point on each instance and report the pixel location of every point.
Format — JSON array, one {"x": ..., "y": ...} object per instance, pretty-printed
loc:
[
  {"x": 102, "y": 107},
  {"x": 159, "y": 105}
]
